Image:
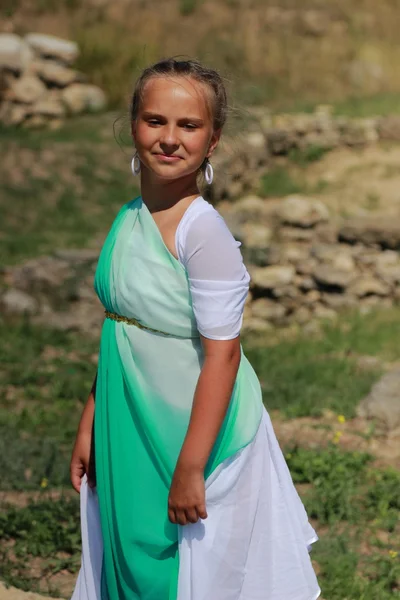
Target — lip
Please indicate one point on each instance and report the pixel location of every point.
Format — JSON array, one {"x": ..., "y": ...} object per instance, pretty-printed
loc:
[{"x": 167, "y": 157}]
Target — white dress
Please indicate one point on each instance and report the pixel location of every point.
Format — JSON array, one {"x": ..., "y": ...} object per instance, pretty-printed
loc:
[{"x": 255, "y": 543}]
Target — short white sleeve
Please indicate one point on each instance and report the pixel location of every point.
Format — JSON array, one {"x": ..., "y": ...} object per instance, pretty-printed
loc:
[{"x": 218, "y": 279}]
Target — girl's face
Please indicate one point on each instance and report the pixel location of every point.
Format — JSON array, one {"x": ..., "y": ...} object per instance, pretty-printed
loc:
[{"x": 173, "y": 132}]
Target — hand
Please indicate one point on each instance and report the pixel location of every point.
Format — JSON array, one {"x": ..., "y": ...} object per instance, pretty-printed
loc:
[
  {"x": 186, "y": 502},
  {"x": 82, "y": 460}
]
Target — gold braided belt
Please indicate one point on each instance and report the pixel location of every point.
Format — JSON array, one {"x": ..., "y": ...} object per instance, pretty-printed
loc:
[{"x": 131, "y": 321}]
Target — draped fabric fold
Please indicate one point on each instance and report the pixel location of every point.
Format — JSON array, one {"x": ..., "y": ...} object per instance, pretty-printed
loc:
[{"x": 145, "y": 388}]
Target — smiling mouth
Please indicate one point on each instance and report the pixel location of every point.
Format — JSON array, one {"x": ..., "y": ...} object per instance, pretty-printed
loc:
[{"x": 168, "y": 157}]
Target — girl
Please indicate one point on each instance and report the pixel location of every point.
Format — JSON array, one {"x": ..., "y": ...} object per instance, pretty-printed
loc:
[{"x": 193, "y": 499}]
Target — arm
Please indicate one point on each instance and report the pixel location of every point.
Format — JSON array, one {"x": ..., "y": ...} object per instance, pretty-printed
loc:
[
  {"x": 211, "y": 400},
  {"x": 82, "y": 460},
  {"x": 219, "y": 284}
]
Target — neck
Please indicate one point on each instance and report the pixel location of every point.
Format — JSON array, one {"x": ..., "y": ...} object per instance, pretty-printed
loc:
[{"x": 161, "y": 195}]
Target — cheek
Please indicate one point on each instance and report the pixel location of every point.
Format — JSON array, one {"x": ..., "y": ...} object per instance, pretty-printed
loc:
[
  {"x": 198, "y": 143},
  {"x": 144, "y": 135}
]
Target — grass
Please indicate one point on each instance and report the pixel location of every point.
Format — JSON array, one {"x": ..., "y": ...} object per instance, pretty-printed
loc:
[
  {"x": 279, "y": 182},
  {"x": 45, "y": 377},
  {"x": 304, "y": 376},
  {"x": 45, "y": 532},
  {"x": 187, "y": 7},
  {"x": 60, "y": 193}
]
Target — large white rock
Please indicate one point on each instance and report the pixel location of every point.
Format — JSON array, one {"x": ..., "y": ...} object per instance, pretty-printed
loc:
[
  {"x": 27, "y": 89},
  {"x": 54, "y": 73},
  {"x": 15, "y": 54},
  {"x": 16, "y": 301},
  {"x": 302, "y": 212},
  {"x": 54, "y": 47},
  {"x": 270, "y": 278},
  {"x": 383, "y": 401},
  {"x": 80, "y": 97},
  {"x": 50, "y": 106}
]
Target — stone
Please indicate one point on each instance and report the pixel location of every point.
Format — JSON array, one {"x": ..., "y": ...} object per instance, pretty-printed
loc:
[
  {"x": 256, "y": 140},
  {"x": 323, "y": 312},
  {"x": 263, "y": 308},
  {"x": 294, "y": 253},
  {"x": 339, "y": 301},
  {"x": 18, "y": 302},
  {"x": 389, "y": 128},
  {"x": 49, "y": 107},
  {"x": 15, "y": 54},
  {"x": 326, "y": 275},
  {"x": 295, "y": 234},
  {"x": 311, "y": 297},
  {"x": 250, "y": 208},
  {"x": 327, "y": 233},
  {"x": 387, "y": 266},
  {"x": 53, "y": 73},
  {"x": 49, "y": 46},
  {"x": 314, "y": 22},
  {"x": 27, "y": 89},
  {"x": 383, "y": 401},
  {"x": 270, "y": 278},
  {"x": 382, "y": 231},
  {"x": 302, "y": 315},
  {"x": 80, "y": 97},
  {"x": 35, "y": 122},
  {"x": 300, "y": 211},
  {"x": 305, "y": 283},
  {"x": 369, "y": 286},
  {"x": 256, "y": 236},
  {"x": 256, "y": 326},
  {"x": 306, "y": 267},
  {"x": 15, "y": 115},
  {"x": 280, "y": 141}
]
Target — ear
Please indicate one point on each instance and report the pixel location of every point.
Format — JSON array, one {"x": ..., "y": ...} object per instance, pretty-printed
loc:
[{"x": 213, "y": 142}]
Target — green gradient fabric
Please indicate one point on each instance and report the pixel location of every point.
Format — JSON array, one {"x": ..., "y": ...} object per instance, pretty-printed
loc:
[{"x": 145, "y": 388}]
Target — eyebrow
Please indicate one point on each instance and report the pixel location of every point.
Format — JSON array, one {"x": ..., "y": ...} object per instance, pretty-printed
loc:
[{"x": 149, "y": 114}]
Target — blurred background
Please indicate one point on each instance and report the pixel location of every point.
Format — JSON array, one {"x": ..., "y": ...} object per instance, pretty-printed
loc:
[{"x": 308, "y": 179}]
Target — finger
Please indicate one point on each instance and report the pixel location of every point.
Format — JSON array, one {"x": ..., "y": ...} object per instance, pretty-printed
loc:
[
  {"x": 181, "y": 517},
  {"x": 76, "y": 482},
  {"x": 172, "y": 516},
  {"x": 191, "y": 515},
  {"x": 202, "y": 511}
]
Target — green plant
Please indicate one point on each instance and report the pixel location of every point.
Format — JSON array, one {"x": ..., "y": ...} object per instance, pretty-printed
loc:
[
  {"x": 187, "y": 7},
  {"x": 279, "y": 182},
  {"x": 303, "y": 376},
  {"x": 336, "y": 476},
  {"x": 47, "y": 530},
  {"x": 308, "y": 154}
]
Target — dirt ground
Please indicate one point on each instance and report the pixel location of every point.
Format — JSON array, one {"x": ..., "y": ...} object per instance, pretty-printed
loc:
[{"x": 12, "y": 593}]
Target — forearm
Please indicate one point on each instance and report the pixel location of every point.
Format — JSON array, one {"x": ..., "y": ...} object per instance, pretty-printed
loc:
[
  {"x": 86, "y": 422},
  {"x": 210, "y": 404}
]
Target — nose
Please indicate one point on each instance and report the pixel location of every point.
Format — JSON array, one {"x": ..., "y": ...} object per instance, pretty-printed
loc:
[{"x": 169, "y": 140}]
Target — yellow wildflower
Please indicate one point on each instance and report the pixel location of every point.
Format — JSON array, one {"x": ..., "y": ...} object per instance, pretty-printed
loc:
[
  {"x": 44, "y": 482},
  {"x": 393, "y": 553},
  {"x": 341, "y": 418},
  {"x": 337, "y": 436}
]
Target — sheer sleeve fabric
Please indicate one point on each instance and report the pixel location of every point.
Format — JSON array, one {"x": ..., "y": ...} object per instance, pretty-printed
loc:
[{"x": 218, "y": 279}]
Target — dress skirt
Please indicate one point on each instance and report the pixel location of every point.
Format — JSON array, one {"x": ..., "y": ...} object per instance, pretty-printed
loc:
[{"x": 254, "y": 545}]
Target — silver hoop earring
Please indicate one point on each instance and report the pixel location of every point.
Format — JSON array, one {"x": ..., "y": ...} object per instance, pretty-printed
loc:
[
  {"x": 209, "y": 173},
  {"x": 135, "y": 164}
]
